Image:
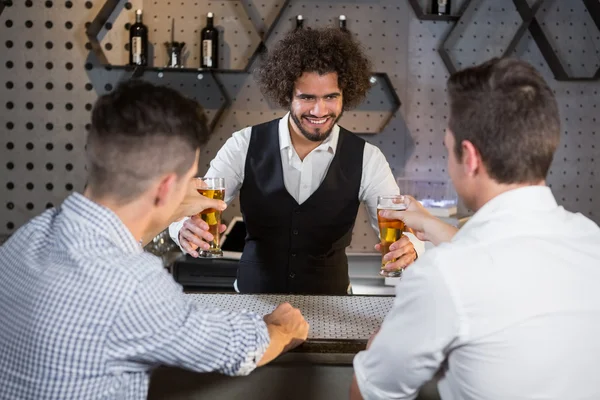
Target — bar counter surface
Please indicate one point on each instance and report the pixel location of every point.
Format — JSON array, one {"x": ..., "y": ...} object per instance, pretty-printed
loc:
[
  {"x": 320, "y": 368},
  {"x": 338, "y": 324}
]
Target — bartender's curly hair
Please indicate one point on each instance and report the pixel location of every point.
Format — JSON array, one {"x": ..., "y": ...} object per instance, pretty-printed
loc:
[{"x": 320, "y": 50}]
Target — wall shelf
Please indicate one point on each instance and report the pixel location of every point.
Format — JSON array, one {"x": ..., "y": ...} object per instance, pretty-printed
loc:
[
  {"x": 554, "y": 62},
  {"x": 470, "y": 8}
]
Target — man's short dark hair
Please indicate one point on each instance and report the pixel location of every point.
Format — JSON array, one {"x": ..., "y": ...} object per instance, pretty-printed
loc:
[
  {"x": 322, "y": 50},
  {"x": 506, "y": 109},
  {"x": 139, "y": 132}
]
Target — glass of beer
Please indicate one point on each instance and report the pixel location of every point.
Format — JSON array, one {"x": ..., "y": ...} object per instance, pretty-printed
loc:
[
  {"x": 213, "y": 188},
  {"x": 390, "y": 230}
]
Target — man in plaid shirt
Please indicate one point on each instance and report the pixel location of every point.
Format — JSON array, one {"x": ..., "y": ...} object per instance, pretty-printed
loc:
[{"x": 85, "y": 313}]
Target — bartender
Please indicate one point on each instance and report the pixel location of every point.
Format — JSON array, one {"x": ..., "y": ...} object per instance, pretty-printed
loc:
[{"x": 301, "y": 178}]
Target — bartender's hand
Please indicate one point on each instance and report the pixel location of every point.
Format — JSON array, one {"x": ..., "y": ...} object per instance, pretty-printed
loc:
[
  {"x": 403, "y": 251},
  {"x": 420, "y": 222},
  {"x": 194, "y": 234},
  {"x": 287, "y": 330}
]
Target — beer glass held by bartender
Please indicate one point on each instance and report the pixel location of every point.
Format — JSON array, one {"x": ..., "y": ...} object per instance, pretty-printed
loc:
[{"x": 301, "y": 178}]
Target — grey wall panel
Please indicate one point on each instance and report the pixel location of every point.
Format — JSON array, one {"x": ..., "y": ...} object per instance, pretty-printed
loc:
[{"x": 45, "y": 107}]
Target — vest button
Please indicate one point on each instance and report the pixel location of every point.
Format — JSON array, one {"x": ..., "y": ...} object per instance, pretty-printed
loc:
[
  {"x": 293, "y": 254},
  {"x": 297, "y": 212},
  {"x": 295, "y": 232},
  {"x": 292, "y": 275}
]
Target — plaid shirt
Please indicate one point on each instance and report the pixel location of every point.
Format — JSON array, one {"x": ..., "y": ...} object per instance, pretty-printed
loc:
[{"x": 86, "y": 314}]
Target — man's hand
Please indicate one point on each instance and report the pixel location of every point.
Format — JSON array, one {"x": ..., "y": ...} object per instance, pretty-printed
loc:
[
  {"x": 287, "y": 329},
  {"x": 193, "y": 202},
  {"x": 420, "y": 222},
  {"x": 194, "y": 234},
  {"x": 403, "y": 251}
]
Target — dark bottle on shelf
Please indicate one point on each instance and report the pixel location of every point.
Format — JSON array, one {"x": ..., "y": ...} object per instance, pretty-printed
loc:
[
  {"x": 138, "y": 41},
  {"x": 299, "y": 22},
  {"x": 342, "y": 22},
  {"x": 209, "y": 51},
  {"x": 440, "y": 7}
]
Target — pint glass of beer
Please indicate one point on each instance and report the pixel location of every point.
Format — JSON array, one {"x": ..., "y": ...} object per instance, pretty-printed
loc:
[
  {"x": 213, "y": 188},
  {"x": 390, "y": 230}
]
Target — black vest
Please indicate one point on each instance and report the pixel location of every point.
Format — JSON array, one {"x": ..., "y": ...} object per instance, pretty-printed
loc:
[{"x": 292, "y": 248}]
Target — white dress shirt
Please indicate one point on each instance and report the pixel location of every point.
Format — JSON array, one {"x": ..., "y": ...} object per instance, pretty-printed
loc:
[
  {"x": 510, "y": 309},
  {"x": 303, "y": 177}
]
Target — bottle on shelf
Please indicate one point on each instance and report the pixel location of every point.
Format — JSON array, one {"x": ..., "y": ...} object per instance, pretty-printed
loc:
[
  {"x": 342, "y": 23},
  {"x": 209, "y": 37},
  {"x": 138, "y": 41},
  {"x": 440, "y": 7},
  {"x": 299, "y": 22}
]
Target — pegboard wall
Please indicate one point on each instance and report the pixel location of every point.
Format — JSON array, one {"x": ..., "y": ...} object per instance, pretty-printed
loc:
[{"x": 50, "y": 76}]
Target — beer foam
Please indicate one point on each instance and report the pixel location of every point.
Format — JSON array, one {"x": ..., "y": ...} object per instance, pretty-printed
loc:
[{"x": 393, "y": 207}]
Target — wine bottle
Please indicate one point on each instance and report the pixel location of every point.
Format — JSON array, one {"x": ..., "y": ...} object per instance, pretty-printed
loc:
[
  {"x": 342, "y": 23},
  {"x": 299, "y": 22},
  {"x": 440, "y": 7},
  {"x": 138, "y": 41},
  {"x": 209, "y": 38}
]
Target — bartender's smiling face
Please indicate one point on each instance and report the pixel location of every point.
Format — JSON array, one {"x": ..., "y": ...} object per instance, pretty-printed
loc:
[{"x": 316, "y": 105}]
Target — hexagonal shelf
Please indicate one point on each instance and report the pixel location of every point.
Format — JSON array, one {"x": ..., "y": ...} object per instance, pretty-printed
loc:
[
  {"x": 376, "y": 111},
  {"x": 209, "y": 77},
  {"x": 473, "y": 7},
  {"x": 238, "y": 34},
  {"x": 4, "y": 3},
  {"x": 546, "y": 48}
]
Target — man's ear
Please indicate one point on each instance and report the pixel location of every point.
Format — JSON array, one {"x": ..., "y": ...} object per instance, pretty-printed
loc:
[
  {"x": 471, "y": 158},
  {"x": 166, "y": 186}
]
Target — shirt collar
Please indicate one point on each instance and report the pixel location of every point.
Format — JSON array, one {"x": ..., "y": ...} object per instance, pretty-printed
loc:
[
  {"x": 285, "y": 140},
  {"x": 529, "y": 198},
  {"x": 101, "y": 220}
]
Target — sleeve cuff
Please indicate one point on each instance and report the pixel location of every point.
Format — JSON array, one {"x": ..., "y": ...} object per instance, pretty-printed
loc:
[
  {"x": 419, "y": 245},
  {"x": 174, "y": 229},
  {"x": 363, "y": 385},
  {"x": 262, "y": 340},
  {"x": 367, "y": 390}
]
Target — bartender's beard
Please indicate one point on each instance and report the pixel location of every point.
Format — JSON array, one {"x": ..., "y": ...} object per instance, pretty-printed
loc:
[{"x": 319, "y": 133}]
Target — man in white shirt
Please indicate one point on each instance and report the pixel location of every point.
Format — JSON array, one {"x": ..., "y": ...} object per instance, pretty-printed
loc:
[
  {"x": 302, "y": 178},
  {"x": 507, "y": 307}
]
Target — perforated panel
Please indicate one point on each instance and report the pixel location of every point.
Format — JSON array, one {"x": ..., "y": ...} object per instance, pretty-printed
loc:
[
  {"x": 49, "y": 80},
  {"x": 329, "y": 317}
]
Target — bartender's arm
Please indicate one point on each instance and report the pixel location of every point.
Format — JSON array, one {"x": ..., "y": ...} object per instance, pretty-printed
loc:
[
  {"x": 414, "y": 340},
  {"x": 229, "y": 163},
  {"x": 378, "y": 180}
]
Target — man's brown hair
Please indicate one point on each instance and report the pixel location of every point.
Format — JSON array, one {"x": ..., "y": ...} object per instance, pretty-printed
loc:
[
  {"x": 506, "y": 109},
  {"x": 139, "y": 132}
]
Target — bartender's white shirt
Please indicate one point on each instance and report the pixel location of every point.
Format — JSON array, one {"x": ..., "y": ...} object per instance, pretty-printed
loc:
[
  {"x": 510, "y": 309},
  {"x": 303, "y": 177}
]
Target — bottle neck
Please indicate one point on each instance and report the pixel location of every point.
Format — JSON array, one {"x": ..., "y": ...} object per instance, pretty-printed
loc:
[
  {"x": 209, "y": 22},
  {"x": 138, "y": 18}
]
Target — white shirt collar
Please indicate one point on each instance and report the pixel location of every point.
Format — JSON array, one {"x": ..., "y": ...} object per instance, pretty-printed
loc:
[
  {"x": 285, "y": 141},
  {"x": 535, "y": 198}
]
